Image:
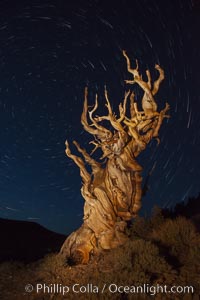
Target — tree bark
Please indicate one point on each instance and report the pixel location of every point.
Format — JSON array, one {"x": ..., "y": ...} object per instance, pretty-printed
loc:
[{"x": 113, "y": 191}]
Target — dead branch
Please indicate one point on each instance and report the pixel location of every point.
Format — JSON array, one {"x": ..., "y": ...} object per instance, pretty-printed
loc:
[
  {"x": 80, "y": 163},
  {"x": 96, "y": 167},
  {"x": 99, "y": 130},
  {"x": 149, "y": 105}
]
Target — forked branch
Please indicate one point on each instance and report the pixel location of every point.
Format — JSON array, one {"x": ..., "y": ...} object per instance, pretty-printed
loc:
[
  {"x": 146, "y": 86},
  {"x": 111, "y": 117},
  {"x": 148, "y": 103},
  {"x": 80, "y": 163},
  {"x": 95, "y": 129}
]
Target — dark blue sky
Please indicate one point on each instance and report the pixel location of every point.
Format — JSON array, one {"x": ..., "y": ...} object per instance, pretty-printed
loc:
[{"x": 48, "y": 53}]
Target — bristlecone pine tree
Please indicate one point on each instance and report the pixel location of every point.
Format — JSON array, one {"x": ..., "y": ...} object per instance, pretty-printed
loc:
[{"x": 112, "y": 191}]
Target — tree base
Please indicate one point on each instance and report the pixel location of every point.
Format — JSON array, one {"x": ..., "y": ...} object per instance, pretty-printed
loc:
[{"x": 81, "y": 244}]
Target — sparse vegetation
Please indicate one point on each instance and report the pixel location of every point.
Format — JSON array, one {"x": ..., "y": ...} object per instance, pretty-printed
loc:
[{"x": 161, "y": 251}]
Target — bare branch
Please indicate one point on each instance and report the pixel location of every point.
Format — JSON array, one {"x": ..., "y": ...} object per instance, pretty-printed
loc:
[
  {"x": 96, "y": 167},
  {"x": 134, "y": 72},
  {"x": 111, "y": 117},
  {"x": 94, "y": 109},
  {"x": 133, "y": 106},
  {"x": 159, "y": 80},
  {"x": 122, "y": 110},
  {"x": 162, "y": 115},
  {"x": 80, "y": 163},
  {"x": 149, "y": 79},
  {"x": 149, "y": 105},
  {"x": 97, "y": 145},
  {"x": 84, "y": 120},
  {"x": 100, "y": 131}
]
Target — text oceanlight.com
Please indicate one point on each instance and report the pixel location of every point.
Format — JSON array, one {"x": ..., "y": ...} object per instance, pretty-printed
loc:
[{"x": 112, "y": 288}]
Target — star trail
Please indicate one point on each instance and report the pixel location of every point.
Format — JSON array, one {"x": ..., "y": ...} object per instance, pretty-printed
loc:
[{"x": 48, "y": 53}]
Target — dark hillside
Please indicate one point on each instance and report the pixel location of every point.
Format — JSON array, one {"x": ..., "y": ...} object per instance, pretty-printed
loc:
[{"x": 27, "y": 241}]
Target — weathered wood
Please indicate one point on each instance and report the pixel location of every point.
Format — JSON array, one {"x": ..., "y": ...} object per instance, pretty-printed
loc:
[{"x": 113, "y": 192}]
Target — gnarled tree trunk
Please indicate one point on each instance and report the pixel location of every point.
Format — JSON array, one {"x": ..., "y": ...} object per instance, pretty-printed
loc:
[{"x": 112, "y": 191}]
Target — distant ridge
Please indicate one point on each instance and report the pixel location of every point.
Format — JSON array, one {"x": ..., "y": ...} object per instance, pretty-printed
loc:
[
  {"x": 189, "y": 209},
  {"x": 27, "y": 241}
]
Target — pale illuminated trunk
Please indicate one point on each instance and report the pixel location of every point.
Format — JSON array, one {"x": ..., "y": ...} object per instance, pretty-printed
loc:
[{"x": 112, "y": 191}]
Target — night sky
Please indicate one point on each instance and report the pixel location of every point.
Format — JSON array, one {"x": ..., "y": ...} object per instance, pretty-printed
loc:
[{"x": 48, "y": 53}]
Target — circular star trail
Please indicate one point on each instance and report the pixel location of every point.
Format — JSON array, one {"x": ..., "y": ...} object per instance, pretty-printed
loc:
[{"x": 48, "y": 53}]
